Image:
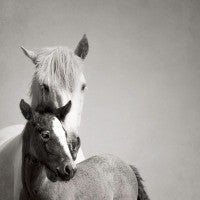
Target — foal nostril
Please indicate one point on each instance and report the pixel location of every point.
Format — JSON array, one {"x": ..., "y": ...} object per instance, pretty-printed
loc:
[{"x": 67, "y": 170}]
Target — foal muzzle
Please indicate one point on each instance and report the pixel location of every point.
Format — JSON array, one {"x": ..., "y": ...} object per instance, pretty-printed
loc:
[{"x": 66, "y": 172}]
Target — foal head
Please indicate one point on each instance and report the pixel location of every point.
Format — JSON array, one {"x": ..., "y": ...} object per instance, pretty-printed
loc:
[
  {"x": 47, "y": 140},
  {"x": 59, "y": 78}
]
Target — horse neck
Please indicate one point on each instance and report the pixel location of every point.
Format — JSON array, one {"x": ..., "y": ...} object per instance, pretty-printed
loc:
[
  {"x": 32, "y": 170},
  {"x": 25, "y": 151},
  {"x": 34, "y": 175},
  {"x": 26, "y": 139}
]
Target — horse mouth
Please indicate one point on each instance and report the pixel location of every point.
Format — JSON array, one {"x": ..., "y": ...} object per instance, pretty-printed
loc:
[{"x": 56, "y": 175}]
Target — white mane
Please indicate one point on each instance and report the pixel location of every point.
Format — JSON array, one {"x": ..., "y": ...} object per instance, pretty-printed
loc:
[{"x": 57, "y": 67}]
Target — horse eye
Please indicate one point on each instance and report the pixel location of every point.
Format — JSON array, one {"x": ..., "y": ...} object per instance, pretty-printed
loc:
[
  {"x": 45, "y": 135},
  {"x": 83, "y": 87}
]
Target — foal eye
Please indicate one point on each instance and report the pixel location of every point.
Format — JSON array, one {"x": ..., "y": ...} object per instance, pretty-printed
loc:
[
  {"x": 83, "y": 87},
  {"x": 45, "y": 135}
]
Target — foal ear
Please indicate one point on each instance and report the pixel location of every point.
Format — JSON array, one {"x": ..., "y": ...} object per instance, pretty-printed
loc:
[
  {"x": 82, "y": 47},
  {"x": 26, "y": 109},
  {"x": 63, "y": 111},
  {"x": 30, "y": 54}
]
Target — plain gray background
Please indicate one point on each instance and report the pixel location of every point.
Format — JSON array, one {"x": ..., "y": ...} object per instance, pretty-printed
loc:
[{"x": 143, "y": 76}]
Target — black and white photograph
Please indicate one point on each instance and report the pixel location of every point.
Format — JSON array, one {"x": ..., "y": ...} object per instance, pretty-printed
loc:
[{"x": 99, "y": 99}]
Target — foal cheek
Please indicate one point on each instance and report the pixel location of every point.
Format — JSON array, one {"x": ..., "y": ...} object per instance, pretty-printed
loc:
[{"x": 52, "y": 154}]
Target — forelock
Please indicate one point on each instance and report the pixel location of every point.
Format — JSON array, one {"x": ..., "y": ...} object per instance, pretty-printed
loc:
[
  {"x": 45, "y": 108},
  {"x": 57, "y": 67}
]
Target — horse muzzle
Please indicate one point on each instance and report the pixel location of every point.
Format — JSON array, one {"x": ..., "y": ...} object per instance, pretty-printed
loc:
[{"x": 66, "y": 172}]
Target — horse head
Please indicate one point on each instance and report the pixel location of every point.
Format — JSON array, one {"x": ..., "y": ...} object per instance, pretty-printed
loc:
[
  {"x": 46, "y": 140},
  {"x": 59, "y": 78}
]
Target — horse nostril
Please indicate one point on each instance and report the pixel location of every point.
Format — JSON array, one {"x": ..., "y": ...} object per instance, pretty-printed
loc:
[{"x": 67, "y": 170}]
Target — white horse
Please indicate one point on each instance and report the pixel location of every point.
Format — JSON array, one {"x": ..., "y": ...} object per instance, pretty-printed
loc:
[{"x": 58, "y": 78}]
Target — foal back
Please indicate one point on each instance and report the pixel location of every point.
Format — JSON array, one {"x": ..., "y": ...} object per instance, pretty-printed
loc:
[{"x": 97, "y": 178}]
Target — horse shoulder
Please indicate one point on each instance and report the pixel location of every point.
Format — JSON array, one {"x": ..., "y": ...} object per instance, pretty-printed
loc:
[
  {"x": 10, "y": 132},
  {"x": 9, "y": 148}
]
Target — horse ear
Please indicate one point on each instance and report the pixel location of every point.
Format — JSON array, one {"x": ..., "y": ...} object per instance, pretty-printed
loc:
[
  {"x": 30, "y": 54},
  {"x": 63, "y": 111},
  {"x": 82, "y": 47},
  {"x": 26, "y": 109}
]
